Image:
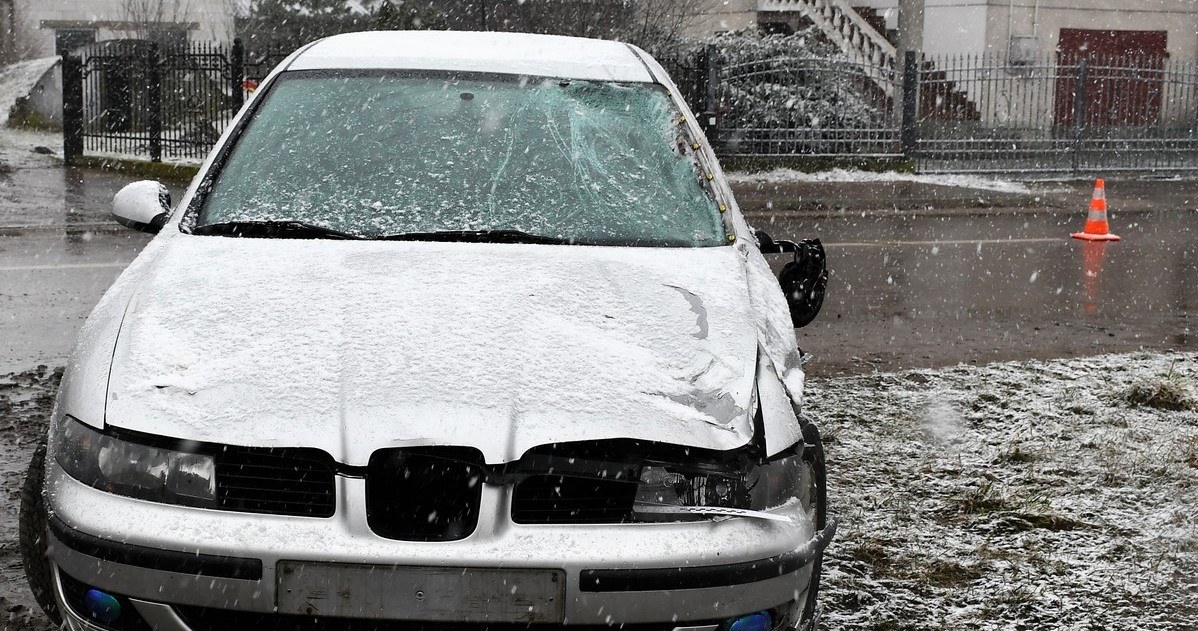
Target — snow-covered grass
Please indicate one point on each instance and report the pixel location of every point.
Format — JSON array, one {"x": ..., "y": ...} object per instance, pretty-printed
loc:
[
  {"x": 27, "y": 149},
  {"x": 1027, "y": 495},
  {"x": 782, "y": 176}
]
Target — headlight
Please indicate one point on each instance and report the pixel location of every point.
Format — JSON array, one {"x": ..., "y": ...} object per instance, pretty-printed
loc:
[
  {"x": 133, "y": 469},
  {"x": 668, "y": 493}
]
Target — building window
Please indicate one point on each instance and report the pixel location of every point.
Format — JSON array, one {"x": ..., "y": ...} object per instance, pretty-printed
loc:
[{"x": 67, "y": 40}]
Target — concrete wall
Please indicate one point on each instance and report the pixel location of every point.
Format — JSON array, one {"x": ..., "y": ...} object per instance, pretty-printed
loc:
[
  {"x": 985, "y": 26},
  {"x": 954, "y": 27},
  {"x": 723, "y": 15},
  {"x": 1030, "y": 29},
  {"x": 1178, "y": 17}
]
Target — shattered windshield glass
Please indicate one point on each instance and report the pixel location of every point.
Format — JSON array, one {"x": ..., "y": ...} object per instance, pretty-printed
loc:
[{"x": 378, "y": 155}]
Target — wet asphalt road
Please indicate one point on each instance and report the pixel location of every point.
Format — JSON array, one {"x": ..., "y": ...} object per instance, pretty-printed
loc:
[
  {"x": 909, "y": 292},
  {"x": 909, "y": 289}
]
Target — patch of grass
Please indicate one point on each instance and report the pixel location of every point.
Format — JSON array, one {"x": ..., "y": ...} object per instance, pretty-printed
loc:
[
  {"x": 1023, "y": 522},
  {"x": 1080, "y": 409},
  {"x": 1016, "y": 455},
  {"x": 1017, "y": 513},
  {"x": 951, "y": 574},
  {"x": 1165, "y": 392},
  {"x": 872, "y": 554},
  {"x": 986, "y": 498}
]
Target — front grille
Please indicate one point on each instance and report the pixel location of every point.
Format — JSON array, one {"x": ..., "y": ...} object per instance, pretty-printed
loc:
[
  {"x": 206, "y": 619},
  {"x": 558, "y": 499},
  {"x": 424, "y": 494},
  {"x": 297, "y": 482}
]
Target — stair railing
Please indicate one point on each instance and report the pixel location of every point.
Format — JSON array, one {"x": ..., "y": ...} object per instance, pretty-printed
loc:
[{"x": 849, "y": 31}]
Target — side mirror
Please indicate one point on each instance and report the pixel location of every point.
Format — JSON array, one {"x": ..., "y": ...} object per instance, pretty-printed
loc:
[
  {"x": 144, "y": 206},
  {"x": 804, "y": 280},
  {"x": 768, "y": 245}
]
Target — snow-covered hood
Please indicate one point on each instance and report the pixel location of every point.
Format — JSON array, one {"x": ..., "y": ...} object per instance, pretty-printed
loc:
[{"x": 352, "y": 346}]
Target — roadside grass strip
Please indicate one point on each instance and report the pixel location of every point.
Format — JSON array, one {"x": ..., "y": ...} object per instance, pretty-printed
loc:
[{"x": 1027, "y": 495}]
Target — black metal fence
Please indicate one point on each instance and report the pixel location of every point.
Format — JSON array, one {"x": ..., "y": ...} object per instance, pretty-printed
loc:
[
  {"x": 1064, "y": 114},
  {"x": 137, "y": 98},
  {"x": 1060, "y": 114}
]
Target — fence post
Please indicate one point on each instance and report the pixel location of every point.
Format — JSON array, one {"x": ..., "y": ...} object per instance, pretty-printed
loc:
[
  {"x": 710, "y": 122},
  {"x": 1079, "y": 112},
  {"x": 72, "y": 108},
  {"x": 909, "y": 136},
  {"x": 154, "y": 102},
  {"x": 237, "y": 73}
]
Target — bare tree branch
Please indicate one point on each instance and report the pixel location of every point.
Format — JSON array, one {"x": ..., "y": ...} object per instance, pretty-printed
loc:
[{"x": 149, "y": 19}]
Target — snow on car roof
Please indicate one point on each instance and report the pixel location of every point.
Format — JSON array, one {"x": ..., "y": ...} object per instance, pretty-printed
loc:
[{"x": 506, "y": 53}]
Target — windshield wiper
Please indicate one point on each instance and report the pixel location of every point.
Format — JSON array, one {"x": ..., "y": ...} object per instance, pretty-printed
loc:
[
  {"x": 272, "y": 230},
  {"x": 478, "y": 236}
]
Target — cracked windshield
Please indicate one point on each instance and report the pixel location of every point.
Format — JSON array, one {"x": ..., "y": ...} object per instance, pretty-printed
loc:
[{"x": 583, "y": 161}]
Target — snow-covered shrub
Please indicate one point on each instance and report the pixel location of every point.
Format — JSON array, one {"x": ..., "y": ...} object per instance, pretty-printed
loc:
[
  {"x": 793, "y": 81},
  {"x": 1164, "y": 392}
]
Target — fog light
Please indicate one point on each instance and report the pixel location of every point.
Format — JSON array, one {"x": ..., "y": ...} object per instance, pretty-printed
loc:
[
  {"x": 760, "y": 621},
  {"x": 101, "y": 607}
]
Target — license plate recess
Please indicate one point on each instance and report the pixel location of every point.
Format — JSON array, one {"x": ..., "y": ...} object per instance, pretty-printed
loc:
[{"x": 421, "y": 593}]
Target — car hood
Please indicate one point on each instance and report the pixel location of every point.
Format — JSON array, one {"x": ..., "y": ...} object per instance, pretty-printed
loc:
[{"x": 351, "y": 346}]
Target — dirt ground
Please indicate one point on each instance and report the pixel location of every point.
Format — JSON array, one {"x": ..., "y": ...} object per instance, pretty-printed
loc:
[{"x": 26, "y": 399}]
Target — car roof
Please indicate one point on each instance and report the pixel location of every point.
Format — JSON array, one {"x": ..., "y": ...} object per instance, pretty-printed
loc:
[{"x": 503, "y": 53}]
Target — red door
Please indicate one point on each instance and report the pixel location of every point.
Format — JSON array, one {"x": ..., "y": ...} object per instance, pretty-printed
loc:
[{"x": 1125, "y": 76}]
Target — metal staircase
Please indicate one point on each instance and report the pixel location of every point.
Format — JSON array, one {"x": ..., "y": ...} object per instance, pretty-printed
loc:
[{"x": 846, "y": 28}]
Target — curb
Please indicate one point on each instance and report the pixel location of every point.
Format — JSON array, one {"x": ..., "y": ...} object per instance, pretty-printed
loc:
[
  {"x": 75, "y": 228},
  {"x": 180, "y": 173}
]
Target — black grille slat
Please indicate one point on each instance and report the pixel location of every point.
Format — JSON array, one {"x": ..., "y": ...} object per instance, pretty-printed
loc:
[
  {"x": 558, "y": 499},
  {"x": 424, "y": 494},
  {"x": 276, "y": 481}
]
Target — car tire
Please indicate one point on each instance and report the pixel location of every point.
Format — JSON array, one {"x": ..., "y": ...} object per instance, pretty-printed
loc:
[
  {"x": 814, "y": 455},
  {"x": 34, "y": 536}
]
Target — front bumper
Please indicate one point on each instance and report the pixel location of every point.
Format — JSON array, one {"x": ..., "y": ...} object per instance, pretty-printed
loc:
[{"x": 169, "y": 560}]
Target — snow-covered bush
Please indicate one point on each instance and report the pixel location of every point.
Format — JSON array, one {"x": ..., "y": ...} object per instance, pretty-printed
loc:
[{"x": 793, "y": 81}]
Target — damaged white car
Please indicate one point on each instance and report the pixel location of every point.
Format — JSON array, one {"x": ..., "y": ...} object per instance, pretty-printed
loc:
[{"x": 452, "y": 331}]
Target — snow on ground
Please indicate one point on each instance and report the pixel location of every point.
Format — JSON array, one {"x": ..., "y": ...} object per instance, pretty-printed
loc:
[
  {"x": 1024, "y": 495},
  {"x": 778, "y": 176},
  {"x": 1028, "y": 495},
  {"x": 17, "y": 80},
  {"x": 28, "y": 149}
]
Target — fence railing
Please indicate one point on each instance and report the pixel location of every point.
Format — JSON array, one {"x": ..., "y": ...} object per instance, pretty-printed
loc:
[
  {"x": 1059, "y": 114},
  {"x": 137, "y": 98}
]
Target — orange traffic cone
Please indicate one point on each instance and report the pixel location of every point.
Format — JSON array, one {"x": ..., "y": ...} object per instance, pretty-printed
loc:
[{"x": 1097, "y": 228}]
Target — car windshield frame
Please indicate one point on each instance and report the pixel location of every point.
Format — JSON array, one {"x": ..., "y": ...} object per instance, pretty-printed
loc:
[{"x": 688, "y": 147}]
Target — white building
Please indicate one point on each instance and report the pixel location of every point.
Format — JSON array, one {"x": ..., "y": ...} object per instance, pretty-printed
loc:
[
  {"x": 38, "y": 29},
  {"x": 32, "y": 29},
  {"x": 1023, "y": 28}
]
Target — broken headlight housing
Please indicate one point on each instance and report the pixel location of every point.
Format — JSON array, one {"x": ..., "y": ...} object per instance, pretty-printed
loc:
[
  {"x": 670, "y": 493},
  {"x": 134, "y": 469}
]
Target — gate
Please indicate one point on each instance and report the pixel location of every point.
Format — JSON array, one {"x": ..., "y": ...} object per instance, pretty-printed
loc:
[{"x": 136, "y": 98}]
